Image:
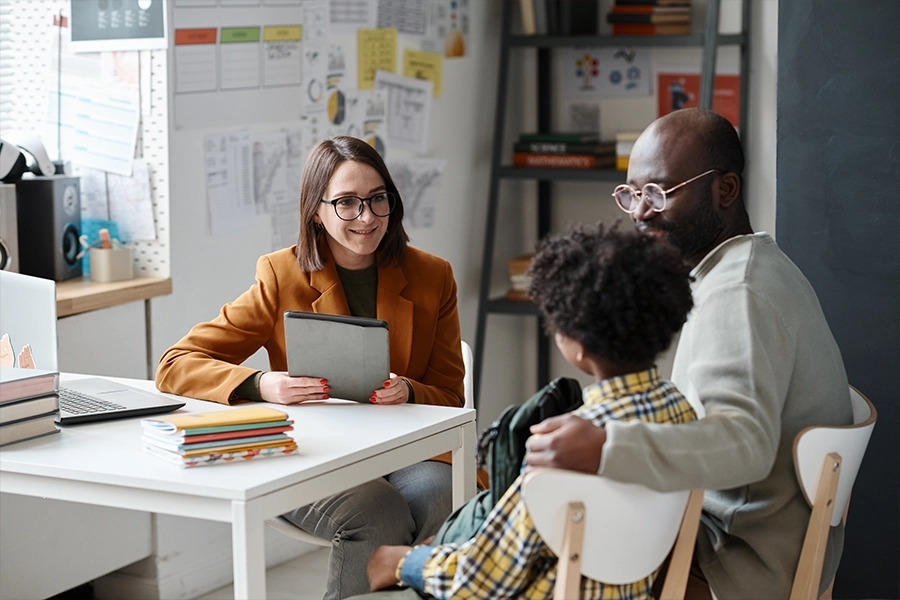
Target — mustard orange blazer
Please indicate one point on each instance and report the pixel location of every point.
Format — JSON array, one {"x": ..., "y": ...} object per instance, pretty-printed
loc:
[{"x": 416, "y": 298}]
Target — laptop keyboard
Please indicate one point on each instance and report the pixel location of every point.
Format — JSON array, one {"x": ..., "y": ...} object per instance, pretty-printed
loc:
[{"x": 77, "y": 403}]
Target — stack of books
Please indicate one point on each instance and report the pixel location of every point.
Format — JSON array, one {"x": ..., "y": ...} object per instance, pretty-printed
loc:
[
  {"x": 518, "y": 278},
  {"x": 563, "y": 151},
  {"x": 650, "y": 17},
  {"x": 29, "y": 404},
  {"x": 624, "y": 144},
  {"x": 231, "y": 435}
]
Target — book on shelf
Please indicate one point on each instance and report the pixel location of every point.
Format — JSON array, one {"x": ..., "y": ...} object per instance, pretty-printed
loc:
[
  {"x": 563, "y": 161},
  {"x": 30, "y": 407},
  {"x": 648, "y": 18},
  {"x": 527, "y": 9},
  {"x": 624, "y": 144},
  {"x": 647, "y": 9},
  {"x": 222, "y": 436},
  {"x": 19, "y": 384},
  {"x": 27, "y": 429},
  {"x": 575, "y": 137},
  {"x": 566, "y": 147},
  {"x": 519, "y": 281},
  {"x": 653, "y": 2},
  {"x": 651, "y": 29}
]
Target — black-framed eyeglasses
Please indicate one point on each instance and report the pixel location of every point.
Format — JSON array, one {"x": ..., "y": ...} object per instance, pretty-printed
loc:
[
  {"x": 629, "y": 198},
  {"x": 348, "y": 208}
]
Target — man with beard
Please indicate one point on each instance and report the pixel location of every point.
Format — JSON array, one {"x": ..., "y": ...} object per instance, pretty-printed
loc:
[{"x": 756, "y": 355}]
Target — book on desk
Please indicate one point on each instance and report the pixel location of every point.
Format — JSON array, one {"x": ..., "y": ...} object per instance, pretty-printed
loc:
[
  {"x": 230, "y": 435},
  {"x": 29, "y": 404}
]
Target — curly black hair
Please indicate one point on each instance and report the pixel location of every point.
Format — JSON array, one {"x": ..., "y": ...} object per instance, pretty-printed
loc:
[{"x": 622, "y": 295}]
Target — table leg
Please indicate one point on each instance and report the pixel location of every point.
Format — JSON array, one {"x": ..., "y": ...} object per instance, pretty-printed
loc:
[
  {"x": 248, "y": 547},
  {"x": 464, "y": 466}
]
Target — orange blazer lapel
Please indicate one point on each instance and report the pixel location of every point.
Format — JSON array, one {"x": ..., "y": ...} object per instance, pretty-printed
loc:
[
  {"x": 398, "y": 312},
  {"x": 332, "y": 299}
]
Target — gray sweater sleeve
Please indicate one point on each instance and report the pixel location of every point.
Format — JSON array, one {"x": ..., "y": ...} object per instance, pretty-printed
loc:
[{"x": 732, "y": 357}]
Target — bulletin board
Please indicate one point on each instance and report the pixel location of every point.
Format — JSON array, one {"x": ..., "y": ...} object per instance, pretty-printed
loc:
[{"x": 33, "y": 28}]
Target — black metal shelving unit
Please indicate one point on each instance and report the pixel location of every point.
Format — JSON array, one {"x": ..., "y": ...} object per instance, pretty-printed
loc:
[{"x": 710, "y": 41}]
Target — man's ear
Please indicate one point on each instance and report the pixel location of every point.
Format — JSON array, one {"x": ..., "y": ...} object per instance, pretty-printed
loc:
[{"x": 729, "y": 187}]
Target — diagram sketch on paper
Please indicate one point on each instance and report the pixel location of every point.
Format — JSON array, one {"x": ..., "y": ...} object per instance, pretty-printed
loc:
[
  {"x": 418, "y": 181},
  {"x": 269, "y": 169},
  {"x": 286, "y": 213}
]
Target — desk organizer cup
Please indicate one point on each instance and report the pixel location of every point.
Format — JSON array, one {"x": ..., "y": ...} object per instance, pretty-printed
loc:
[{"x": 111, "y": 264}]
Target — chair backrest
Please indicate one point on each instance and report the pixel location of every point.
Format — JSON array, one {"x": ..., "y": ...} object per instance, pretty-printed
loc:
[
  {"x": 468, "y": 384},
  {"x": 827, "y": 461},
  {"x": 813, "y": 444},
  {"x": 628, "y": 528}
]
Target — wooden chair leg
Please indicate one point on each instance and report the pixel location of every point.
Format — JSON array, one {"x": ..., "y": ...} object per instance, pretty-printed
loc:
[
  {"x": 809, "y": 569},
  {"x": 568, "y": 572},
  {"x": 828, "y": 594},
  {"x": 683, "y": 550}
]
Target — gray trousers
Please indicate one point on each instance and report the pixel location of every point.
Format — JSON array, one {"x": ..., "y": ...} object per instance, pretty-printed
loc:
[{"x": 400, "y": 509}]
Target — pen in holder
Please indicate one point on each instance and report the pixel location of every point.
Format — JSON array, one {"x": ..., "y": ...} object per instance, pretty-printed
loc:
[{"x": 110, "y": 260}]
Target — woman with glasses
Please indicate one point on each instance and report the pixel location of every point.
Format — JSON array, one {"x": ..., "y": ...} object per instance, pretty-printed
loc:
[{"x": 351, "y": 258}]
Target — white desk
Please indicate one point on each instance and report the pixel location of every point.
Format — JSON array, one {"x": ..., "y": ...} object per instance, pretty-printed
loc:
[{"x": 341, "y": 445}]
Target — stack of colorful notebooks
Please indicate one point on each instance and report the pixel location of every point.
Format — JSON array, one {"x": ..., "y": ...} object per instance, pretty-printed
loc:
[{"x": 232, "y": 435}]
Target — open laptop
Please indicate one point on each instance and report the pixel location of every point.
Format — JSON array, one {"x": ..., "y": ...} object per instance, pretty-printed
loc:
[{"x": 28, "y": 317}]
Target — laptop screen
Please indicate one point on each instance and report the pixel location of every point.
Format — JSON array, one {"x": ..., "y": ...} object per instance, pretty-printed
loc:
[{"x": 28, "y": 318}]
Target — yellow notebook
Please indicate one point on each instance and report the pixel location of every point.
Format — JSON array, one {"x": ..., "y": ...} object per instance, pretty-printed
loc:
[{"x": 220, "y": 418}]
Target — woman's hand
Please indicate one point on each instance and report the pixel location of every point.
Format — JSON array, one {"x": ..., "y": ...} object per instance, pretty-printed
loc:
[
  {"x": 278, "y": 387},
  {"x": 395, "y": 391}
]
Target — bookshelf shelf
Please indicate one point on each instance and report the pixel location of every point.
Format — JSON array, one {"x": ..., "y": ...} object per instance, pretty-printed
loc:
[
  {"x": 707, "y": 38},
  {"x": 509, "y": 172},
  {"x": 645, "y": 41},
  {"x": 501, "y": 305}
]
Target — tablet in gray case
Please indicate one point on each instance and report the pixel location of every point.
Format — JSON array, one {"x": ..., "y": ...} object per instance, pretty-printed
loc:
[{"x": 352, "y": 353}]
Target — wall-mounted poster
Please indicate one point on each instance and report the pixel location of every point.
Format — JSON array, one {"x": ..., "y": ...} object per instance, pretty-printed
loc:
[
  {"x": 99, "y": 25},
  {"x": 681, "y": 89}
]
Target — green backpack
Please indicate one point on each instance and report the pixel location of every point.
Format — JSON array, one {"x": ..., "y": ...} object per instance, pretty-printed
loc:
[{"x": 505, "y": 441}]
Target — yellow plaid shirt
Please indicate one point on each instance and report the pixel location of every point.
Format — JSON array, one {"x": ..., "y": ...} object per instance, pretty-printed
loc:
[{"x": 507, "y": 558}]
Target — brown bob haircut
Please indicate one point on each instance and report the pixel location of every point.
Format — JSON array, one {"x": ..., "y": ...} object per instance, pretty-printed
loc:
[{"x": 320, "y": 166}]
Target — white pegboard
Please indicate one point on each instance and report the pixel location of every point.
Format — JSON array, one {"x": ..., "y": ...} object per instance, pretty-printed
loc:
[{"x": 28, "y": 40}]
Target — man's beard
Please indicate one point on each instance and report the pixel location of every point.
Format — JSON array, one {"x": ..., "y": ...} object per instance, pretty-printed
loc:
[{"x": 696, "y": 232}]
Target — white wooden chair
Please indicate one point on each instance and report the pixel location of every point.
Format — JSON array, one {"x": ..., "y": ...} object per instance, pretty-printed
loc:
[
  {"x": 610, "y": 531},
  {"x": 827, "y": 461},
  {"x": 284, "y": 526}
]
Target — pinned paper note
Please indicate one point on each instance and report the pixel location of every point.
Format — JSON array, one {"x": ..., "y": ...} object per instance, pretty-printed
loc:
[
  {"x": 424, "y": 65},
  {"x": 376, "y": 51}
]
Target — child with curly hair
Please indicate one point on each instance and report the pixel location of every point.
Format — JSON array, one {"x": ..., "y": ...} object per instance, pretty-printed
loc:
[{"x": 613, "y": 300}]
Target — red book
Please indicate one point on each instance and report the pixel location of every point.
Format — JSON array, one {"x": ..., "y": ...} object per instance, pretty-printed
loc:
[
  {"x": 563, "y": 161},
  {"x": 650, "y": 29},
  {"x": 646, "y": 9}
]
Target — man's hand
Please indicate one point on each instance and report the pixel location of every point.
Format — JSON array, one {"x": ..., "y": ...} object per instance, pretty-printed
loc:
[
  {"x": 565, "y": 442},
  {"x": 382, "y": 569}
]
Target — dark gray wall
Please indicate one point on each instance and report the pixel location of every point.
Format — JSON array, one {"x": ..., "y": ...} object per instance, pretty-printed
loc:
[{"x": 838, "y": 218}]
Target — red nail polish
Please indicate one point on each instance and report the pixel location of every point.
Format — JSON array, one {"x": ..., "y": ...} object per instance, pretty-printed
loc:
[
  {"x": 323, "y": 381},
  {"x": 325, "y": 397},
  {"x": 372, "y": 399},
  {"x": 387, "y": 384},
  {"x": 326, "y": 389}
]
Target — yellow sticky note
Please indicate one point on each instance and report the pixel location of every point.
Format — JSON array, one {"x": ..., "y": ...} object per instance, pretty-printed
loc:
[
  {"x": 376, "y": 51},
  {"x": 424, "y": 65}
]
